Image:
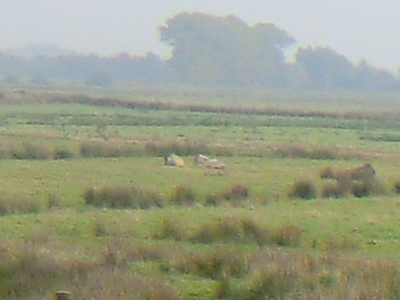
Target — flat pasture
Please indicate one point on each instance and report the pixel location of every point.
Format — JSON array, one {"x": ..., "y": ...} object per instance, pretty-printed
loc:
[{"x": 87, "y": 205}]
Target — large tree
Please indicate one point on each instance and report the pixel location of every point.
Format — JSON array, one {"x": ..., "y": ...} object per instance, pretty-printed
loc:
[
  {"x": 325, "y": 69},
  {"x": 212, "y": 50}
]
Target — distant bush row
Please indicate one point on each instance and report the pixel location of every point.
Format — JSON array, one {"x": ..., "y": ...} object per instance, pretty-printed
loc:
[
  {"x": 40, "y": 151},
  {"x": 137, "y": 198},
  {"x": 359, "y": 182},
  {"x": 191, "y": 107},
  {"x": 238, "y": 230},
  {"x": 24, "y": 205},
  {"x": 101, "y": 148}
]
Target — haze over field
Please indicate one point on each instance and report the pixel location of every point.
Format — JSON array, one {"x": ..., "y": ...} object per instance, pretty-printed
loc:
[{"x": 357, "y": 29}]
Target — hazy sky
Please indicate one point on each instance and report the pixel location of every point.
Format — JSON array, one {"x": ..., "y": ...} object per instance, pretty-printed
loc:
[{"x": 359, "y": 29}]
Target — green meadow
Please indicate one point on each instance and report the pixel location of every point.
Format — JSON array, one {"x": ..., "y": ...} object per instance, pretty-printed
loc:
[{"x": 88, "y": 206}]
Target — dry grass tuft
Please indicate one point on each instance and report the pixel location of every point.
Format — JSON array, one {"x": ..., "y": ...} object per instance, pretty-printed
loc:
[
  {"x": 303, "y": 189},
  {"x": 183, "y": 195},
  {"x": 122, "y": 197}
]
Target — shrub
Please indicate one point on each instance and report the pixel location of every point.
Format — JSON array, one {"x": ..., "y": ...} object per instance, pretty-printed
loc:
[
  {"x": 397, "y": 187},
  {"x": 327, "y": 173},
  {"x": 213, "y": 200},
  {"x": 226, "y": 230},
  {"x": 361, "y": 189},
  {"x": 28, "y": 150},
  {"x": 331, "y": 191},
  {"x": 219, "y": 231},
  {"x": 183, "y": 196},
  {"x": 62, "y": 154},
  {"x": 287, "y": 235},
  {"x": 169, "y": 230},
  {"x": 108, "y": 149},
  {"x": 182, "y": 148},
  {"x": 26, "y": 273},
  {"x": 301, "y": 151},
  {"x": 237, "y": 192},
  {"x": 215, "y": 263},
  {"x": 90, "y": 198},
  {"x": 122, "y": 197},
  {"x": 223, "y": 287},
  {"x": 99, "y": 228},
  {"x": 367, "y": 188},
  {"x": 334, "y": 243},
  {"x": 270, "y": 284},
  {"x": 18, "y": 206},
  {"x": 254, "y": 232},
  {"x": 53, "y": 201},
  {"x": 303, "y": 189},
  {"x": 106, "y": 283}
]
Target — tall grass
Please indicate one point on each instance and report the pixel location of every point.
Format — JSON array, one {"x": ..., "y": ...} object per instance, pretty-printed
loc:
[
  {"x": 122, "y": 197},
  {"x": 19, "y": 205},
  {"x": 183, "y": 195},
  {"x": 304, "y": 189},
  {"x": 232, "y": 230}
]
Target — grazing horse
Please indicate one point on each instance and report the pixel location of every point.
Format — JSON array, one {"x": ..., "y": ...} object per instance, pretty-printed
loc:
[
  {"x": 364, "y": 173},
  {"x": 174, "y": 161},
  {"x": 209, "y": 163}
]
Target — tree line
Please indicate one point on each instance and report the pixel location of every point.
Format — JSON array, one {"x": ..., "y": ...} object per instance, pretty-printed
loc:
[{"x": 212, "y": 51}]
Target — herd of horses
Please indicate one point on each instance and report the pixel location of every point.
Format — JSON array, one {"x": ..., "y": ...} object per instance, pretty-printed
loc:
[
  {"x": 363, "y": 173},
  {"x": 199, "y": 160}
]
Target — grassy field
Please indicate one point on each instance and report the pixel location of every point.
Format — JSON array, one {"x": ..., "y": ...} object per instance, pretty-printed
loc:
[{"x": 88, "y": 206}]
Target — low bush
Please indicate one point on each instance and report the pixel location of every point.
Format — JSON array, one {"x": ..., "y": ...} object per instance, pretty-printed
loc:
[
  {"x": 237, "y": 192},
  {"x": 60, "y": 153},
  {"x": 186, "y": 148},
  {"x": 28, "y": 150},
  {"x": 213, "y": 200},
  {"x": 108, "y": 149},
  {"x": 106, "y": 283},
  {"x": 367, "y": 188},
  {"x": 215, "y": 263},
  {"x": 224, "y": 230},
  {"x": 169, "y": 229},
  {"x": 182, "y": 148},
  {"x": 232, "y": 230},
  {"x": 300, "y": 151},
  {"x": 335, "y": 243},
  {"x": 183, "y": 195},
  {"x": 269, "y": 284},
  {"x": 122, "y": 197},
  {"x": 331, "y": 191},
  {"x": 287, "y": 235},
  {"x": 16, "y": 206},
  {"x": 233, "y": 195},
  {"x": 53, "y": 201},
  {"x": 26, "y": 273},
  {"x": 397, "y": 187},
  {"x": 359, "y": 182},
  {"x": 304, "y": 189},
  {"x": 327, "y": 173}
]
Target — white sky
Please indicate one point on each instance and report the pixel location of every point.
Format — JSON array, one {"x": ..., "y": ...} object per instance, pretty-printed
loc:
[{"x": 359, "y": 29}]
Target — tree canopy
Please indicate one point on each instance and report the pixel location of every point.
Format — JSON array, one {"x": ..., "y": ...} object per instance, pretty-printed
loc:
[
  {"x": 225, "y": 51},
  {"x": 213, "y": 51},
  {"x": 210, "y": 50}
]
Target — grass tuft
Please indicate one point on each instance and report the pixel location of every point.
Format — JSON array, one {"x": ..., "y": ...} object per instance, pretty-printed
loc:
[
  {"x": 122, "y": 197},
  {"x": 183, "y": 195},
  {"x": 303, "y": 189}
]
